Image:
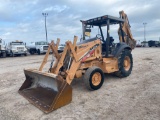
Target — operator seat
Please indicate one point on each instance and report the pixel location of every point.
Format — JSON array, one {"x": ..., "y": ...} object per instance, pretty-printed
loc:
[{"x": 104, "y": 45}]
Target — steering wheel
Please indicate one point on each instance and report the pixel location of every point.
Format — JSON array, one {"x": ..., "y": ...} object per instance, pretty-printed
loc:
[{"x": 99, "y": 36}]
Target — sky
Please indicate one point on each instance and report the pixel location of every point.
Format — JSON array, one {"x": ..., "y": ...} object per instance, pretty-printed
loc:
[{"x": 23, "y": 19}]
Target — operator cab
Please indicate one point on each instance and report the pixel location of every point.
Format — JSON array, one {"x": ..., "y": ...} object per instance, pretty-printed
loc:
[{"x": 106, "y": 20}]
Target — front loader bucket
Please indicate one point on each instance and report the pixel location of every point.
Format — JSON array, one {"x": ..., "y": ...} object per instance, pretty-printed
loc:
[{"x": 46, "y": 91}]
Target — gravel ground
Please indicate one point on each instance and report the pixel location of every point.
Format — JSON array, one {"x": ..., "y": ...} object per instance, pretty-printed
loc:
[{"x": 136, "y": 97}]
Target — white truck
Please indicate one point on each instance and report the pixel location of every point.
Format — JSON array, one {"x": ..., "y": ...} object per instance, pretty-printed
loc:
[
  {"x": 39, "y": 47},
  {"x": 61, "y": 48},
  {"x": 16, "y": 48},
  {"x": 3, "y": 51}
]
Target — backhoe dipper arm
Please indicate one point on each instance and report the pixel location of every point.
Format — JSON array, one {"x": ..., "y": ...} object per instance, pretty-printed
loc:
[{"x": 124, "y": 31}]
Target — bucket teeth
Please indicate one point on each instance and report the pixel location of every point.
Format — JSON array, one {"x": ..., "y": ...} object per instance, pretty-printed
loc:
[{"x": 45, "y": 90}]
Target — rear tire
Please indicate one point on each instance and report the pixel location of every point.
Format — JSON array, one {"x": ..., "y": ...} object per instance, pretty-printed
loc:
[
  {"x": 31, "y": 52},
  {"x": 125, "y": 64},
  {"x": 93, "y": 78}
]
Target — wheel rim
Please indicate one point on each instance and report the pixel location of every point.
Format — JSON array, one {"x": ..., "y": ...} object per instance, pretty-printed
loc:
[
  {"x": 127, "y": 63},
  {"x": 96, "y": 78}
]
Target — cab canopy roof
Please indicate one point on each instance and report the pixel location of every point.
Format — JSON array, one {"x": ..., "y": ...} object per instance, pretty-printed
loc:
[{"x": 102, "y": 21}]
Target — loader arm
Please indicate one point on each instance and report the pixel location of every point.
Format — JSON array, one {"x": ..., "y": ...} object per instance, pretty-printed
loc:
[
  {"x": 80, "y": 54},
  {"x": 124, "y": 31},
  {"x": 77, "y": 53}
]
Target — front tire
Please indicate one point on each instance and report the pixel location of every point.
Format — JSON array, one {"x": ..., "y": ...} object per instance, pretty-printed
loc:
[
  {"x": 25, "y": 54},
  {"x": 93, "y": 78},
  {"x": 12, "y": 54},
  {"x": 4, "y": 55},
  {"x": 125, "y": 64}
]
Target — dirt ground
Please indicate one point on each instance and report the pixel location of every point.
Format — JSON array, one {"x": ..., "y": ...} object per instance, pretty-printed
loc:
[{"x": 136, "y": 97}]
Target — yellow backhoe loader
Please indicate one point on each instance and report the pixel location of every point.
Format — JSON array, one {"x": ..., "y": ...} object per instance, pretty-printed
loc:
[{"x": 89, "y": 59}]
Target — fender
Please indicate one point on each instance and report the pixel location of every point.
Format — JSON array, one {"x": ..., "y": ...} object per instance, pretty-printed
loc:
[{"x": 119, "y": 48}]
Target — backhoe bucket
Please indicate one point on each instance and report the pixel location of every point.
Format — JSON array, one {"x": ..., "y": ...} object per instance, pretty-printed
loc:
[{"x": 46, "y": 91}]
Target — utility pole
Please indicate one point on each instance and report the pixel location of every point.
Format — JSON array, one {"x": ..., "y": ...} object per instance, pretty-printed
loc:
[
  {"x": 145, "y": 31},
  {"x": 45, "y": 15}
]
